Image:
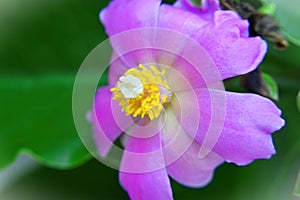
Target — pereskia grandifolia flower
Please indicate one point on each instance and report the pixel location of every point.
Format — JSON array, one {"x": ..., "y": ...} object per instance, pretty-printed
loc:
[{"x": 163, "y": 104}]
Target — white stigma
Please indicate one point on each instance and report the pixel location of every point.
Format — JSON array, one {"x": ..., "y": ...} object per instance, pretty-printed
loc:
[{"x": 130, "y": 86}]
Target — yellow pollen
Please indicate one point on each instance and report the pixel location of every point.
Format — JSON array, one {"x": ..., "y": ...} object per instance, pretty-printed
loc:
[{"x": 142, "y": 92}]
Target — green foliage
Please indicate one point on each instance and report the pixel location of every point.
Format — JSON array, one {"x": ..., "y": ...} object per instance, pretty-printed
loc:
[
  {"x": 42, "y": 46},
  {"x": 272, "y": 85},
  {"x": 268, "y": 9},
  {"x": 196, "y": 2},
  {"x": 37, "y": 119}
]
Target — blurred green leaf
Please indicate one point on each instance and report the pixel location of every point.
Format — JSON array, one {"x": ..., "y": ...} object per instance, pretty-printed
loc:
[
  {"x": 37, "y": 119},
  {"x": 288, "y": 59},
  {"x": 196, "y": 2},
  {"x": 268, "y": 9},
  {"x": 287, "y": 14},
  {"x": 43, "y": 43},
  {"x": 272, "y": 85},
  {"x": 48, "y": 36}
]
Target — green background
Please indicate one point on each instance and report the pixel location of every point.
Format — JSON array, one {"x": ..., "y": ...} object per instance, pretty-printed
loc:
[{"x": 42, "y": 45}]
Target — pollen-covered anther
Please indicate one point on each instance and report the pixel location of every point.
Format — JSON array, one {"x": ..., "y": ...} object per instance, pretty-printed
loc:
[{"x": 142, "y": 92}]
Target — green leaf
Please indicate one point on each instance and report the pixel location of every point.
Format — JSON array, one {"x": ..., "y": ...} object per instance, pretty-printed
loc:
[
  {"x": 40, "y": 53},
  {"x": 298, "y": 101},
  {"x": 268, "y": 9},
  {"x": 287, "y": 15},
  {"x": 37, "y": 119},
  {"x": 196, "y": 3},
  {"x": 272, "y": 85},
  {"x": 38, "y": 41}
]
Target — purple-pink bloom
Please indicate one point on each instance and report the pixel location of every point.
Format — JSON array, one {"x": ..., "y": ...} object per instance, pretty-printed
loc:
[{"x": 138, "y": 76}]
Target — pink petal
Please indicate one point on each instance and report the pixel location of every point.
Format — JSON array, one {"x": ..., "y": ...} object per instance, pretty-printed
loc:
[
  {"x": 206, "y": 116},
  {"x": 123, "y": 15},
  {"x": 108, "y": 120},
  {"x": 117, "y": 69},
  {"x": 224, "y": 37},
  {"x": 195, "y": 70},
  {"x": 249, "y": 121},
  {"x": 193, "y": 171},
  {"x": 181, "y": 156},
  {"x": 142, "y": 173},
  {"x": 186, "y": 63}
]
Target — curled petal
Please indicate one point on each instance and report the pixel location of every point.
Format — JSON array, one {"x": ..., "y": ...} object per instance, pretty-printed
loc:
[{"x": 224, "y": 36}]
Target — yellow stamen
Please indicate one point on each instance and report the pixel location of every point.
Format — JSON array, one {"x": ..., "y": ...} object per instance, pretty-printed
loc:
[{"x": 142, "y": 92}]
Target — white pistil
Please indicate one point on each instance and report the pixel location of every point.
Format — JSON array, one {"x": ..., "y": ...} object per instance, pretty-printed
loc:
[{"x": 130, "y": 86}]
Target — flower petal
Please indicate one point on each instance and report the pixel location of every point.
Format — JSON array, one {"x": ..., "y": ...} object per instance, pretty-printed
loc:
[
  {"x": 224, "y": 37},
  {"x": 144, "y": 154},
  {"x": 193, "y": 74},
  {"x": 117, "y": 69},
  {"x": 123, "y": 15},
  {"x": 193, "y": 171},
  {"x": 108, "y": 120},
  {"x": 187, "y": 168},
  {"x": 249, "y": 121}
]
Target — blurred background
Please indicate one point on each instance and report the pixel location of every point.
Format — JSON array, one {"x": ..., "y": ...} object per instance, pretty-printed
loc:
[{"x": 42, "y": 45}]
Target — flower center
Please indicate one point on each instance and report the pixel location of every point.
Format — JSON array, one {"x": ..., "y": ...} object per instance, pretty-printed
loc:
[{"x": 142, "y": 92}]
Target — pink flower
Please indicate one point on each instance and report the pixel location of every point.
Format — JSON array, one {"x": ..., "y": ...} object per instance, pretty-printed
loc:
[{"x": 166, "y": 102}]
